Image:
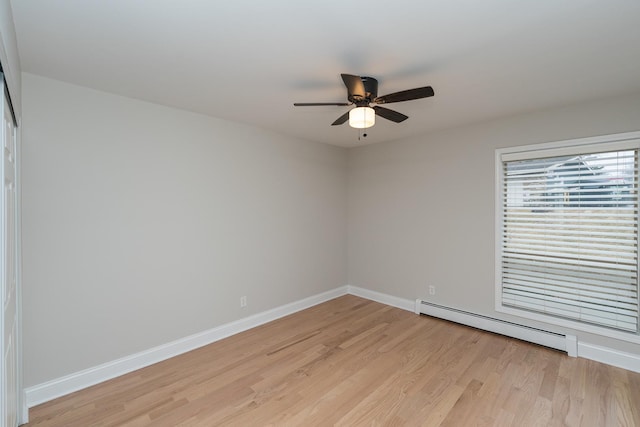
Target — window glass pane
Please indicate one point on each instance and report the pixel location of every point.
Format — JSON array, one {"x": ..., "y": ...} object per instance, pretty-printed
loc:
[{"x": 570, "y": 237}]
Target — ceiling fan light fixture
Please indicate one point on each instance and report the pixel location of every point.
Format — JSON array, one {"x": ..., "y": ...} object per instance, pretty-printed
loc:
[{"x": 362, "y": 117}]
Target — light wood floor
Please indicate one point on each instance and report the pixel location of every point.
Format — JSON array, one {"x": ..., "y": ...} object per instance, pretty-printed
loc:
[{"x": 352, "y": 362}]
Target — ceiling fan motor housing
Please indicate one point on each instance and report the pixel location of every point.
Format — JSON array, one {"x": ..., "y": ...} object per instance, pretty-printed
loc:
[{"x": 371, "y": 92}]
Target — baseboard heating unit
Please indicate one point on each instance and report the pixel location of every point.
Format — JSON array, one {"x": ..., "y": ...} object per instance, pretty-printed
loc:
[{"x": 567, "y": 343}]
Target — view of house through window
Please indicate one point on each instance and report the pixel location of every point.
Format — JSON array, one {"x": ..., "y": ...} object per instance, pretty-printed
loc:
[{"x": 569, "y": 234}]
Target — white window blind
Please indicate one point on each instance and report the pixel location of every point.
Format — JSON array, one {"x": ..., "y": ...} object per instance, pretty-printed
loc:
[{"x": 569, "y": 238}]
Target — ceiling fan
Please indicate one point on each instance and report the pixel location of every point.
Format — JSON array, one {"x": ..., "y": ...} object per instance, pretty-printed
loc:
[{"x": 362, "y": 92}]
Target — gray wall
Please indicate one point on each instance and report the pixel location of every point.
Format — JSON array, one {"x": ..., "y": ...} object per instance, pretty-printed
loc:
[
  {"x": 145, "y": 224},
  {"x": 421, "y": 211}
]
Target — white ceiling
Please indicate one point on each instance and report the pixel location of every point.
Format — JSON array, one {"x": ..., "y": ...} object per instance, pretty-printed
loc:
[{"x": 250, "y": 60}]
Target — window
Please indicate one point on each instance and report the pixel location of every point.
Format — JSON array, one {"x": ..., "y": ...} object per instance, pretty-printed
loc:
[{"x": 567, "y": 232}]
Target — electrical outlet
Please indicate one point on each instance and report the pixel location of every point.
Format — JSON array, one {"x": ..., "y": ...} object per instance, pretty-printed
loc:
[
  {"x": 432, "y": 290},
  {"x": 243, "y": 302}
]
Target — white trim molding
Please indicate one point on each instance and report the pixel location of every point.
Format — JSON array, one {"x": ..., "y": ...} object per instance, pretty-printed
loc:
[
  {"x": 68, "y": 384},
  {"x": 564, "y": 342},
  {"x": 609, "y": 356},
  {"x": 49, "y": 390},
  {"x": 559, "y": 341},
  {"x": 405, "y": 304}
]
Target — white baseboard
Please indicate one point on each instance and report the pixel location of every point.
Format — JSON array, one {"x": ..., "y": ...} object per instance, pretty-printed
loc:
[
  {"x": 563, "y": 342},
  {"x": 68, "y": 384},
  {"x": 620, "y": 359},
  {"x": 569, "y": 343},
  {"x": 405, "y": 304}
]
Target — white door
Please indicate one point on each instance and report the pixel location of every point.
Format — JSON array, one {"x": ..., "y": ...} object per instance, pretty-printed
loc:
[{"x": 8, "y": 279}]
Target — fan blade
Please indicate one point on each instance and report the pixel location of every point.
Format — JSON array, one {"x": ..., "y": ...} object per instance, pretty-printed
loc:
[
  {"x": 388, "y": 114},
  {"x": 340, "y": 120},
  {"x": 405, "y": 95},
  {"x": 354, "y": 85},
  {"x": 315, "y": 104}
]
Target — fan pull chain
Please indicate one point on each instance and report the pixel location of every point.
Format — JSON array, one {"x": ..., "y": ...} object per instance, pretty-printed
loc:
[{"x": 360, "y": 134}]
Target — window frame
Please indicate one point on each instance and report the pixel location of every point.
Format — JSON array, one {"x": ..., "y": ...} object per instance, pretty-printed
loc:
[{"x": 629, "y": 140}]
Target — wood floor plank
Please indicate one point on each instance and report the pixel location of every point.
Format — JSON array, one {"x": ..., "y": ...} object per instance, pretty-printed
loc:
[{"x": 355, "y": 362}]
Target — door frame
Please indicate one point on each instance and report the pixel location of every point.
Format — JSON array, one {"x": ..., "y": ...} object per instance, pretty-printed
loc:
[{"x": 21, "y": 409}]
